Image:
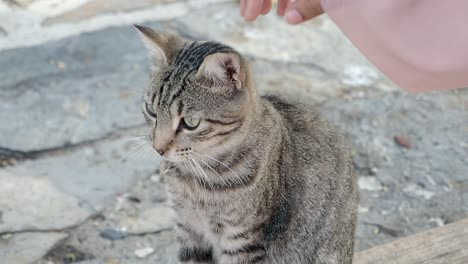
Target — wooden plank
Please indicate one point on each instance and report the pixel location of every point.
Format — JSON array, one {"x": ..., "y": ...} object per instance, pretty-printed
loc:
[{"x": 444, "y": 245}]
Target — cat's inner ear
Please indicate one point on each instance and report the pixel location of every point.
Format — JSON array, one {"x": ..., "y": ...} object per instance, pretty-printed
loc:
[
  {"x": 221, "y": 69},
  {"x": 161, "y": 46}
]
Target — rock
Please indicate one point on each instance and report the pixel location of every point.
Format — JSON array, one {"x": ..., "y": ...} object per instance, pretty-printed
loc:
[
  {"x": 100, "y": 7},
  {"x": 403, "y": 141},
  {"x": 94, "y": 261},
  {"x": 7, "y": 236},
  {"x": 418, "y": 191},
  {"x": 23, "y": 3},
  {"x": 33, "y": 203},
  {"x": 150, "y": 221},
  {"x": 363, "y": 209},
  {"x": 358, "y": 76},
  {"x": 144, "y": 252},
  {"x": 62, "y": 98},
  {"x": 66, "y": 253},
  {"x": 112, "y": 234},
  {"x": 3, "y": 32},
  {"x": 27, "y": 247},
  {"x": 95, "y": 174},
  {"x": 369, "y": 184},
  {"x": 437, "y": 221}
]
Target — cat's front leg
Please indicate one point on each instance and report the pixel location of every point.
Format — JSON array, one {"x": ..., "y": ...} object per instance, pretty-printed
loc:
[
  {"x": 247, "y": 254},
  {"x": 193, "y": 249}
]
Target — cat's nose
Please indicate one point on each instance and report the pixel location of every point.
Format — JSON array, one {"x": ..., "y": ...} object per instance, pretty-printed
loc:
[
  {"x": 162, "y": 141},
  {"x": 160, "y": 151},
  {"x": 161, "y": 148}
]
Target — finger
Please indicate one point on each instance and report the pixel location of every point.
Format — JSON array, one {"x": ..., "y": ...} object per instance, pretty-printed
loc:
[
  {"x": 303, "y": 10},
  {"x": 282, "y": 5},
  {"x": 266, "y": 7},
  {"x": 253, "y": 9},
  {"x": 243, "y": 6}
]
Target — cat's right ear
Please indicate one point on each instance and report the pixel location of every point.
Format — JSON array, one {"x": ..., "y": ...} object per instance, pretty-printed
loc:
[{"x": 161, "y": 46}]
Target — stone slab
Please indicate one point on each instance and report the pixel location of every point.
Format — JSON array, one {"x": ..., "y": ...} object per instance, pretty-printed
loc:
[
  {"x": 34, "y": 203},
  {"x": 26, "y": 248},
  {"x": 144, "y": 203},
  {"x": 96, "y": 174},
  {"x": 72, "y": 90},
  {"x": 151, "y": 220},
  {"x": 100, "y": 7}
]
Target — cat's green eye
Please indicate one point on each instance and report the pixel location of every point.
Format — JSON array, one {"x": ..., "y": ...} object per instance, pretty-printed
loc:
[{"x": 191, "y": 122}]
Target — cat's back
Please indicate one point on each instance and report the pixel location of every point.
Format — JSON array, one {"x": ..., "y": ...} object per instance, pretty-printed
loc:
[
  {"x": 318, "y": 173},
  {"x": 306, "y": 128},
  {"x": 314, "y": 149}
]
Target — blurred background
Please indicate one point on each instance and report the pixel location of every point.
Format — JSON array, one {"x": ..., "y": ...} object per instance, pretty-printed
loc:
[{"x": 75, "y": 187}]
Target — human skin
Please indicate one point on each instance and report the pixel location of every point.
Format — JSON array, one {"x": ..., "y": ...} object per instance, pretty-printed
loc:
[
  {"x": 421, "y": 45},
  {"x": 295, "y": 11}
]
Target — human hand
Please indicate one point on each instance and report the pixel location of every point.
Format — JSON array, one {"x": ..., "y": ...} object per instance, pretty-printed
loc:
[{"x": 295, "y": 11}]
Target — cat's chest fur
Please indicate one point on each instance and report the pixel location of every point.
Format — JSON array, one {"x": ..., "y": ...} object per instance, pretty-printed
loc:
[
  {"x": 215, "y": 215},
  {"x": 204, "y": 220}
]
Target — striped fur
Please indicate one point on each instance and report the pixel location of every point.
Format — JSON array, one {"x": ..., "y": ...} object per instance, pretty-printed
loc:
[{"x": 260, "y": 179}]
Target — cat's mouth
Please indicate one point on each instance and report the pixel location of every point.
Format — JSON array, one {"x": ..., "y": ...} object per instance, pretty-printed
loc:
[
  {"x": 179, "y": 155},
  {"x": 186, "y": 156}
]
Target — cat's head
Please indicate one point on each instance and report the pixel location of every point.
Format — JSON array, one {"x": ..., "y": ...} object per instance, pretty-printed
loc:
[{"x": 199, "y": 97}]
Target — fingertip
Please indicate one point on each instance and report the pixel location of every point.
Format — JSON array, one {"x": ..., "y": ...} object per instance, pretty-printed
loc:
[
  {"x": 300, "y": 11},
  {"x": 282, "y": 6},
  {"x": 242, "y": 7},
  {"x": 267, "y": 4},
  {"x": 294, "y": 17},
  {"x": 253, "y": 9},
  {"x": 250, "y": 18}
]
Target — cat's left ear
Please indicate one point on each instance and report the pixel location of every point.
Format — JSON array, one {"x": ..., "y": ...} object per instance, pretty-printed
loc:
[
  {"x": 222, "y": 70},
  {"x": 161, "y": 46}
]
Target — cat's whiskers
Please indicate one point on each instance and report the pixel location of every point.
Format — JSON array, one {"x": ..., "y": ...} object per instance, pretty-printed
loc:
[
  {"x": 186, "y": 164},
  {"x": 203, "y": 174},
  {"x": 138, "y": 138},
  {"x": 210, "y": 183},
  {"x": 189, "y": 166},
  {"x": 143, "y": 150},
  {"x": 196, "y": 173},
  {"x": 139, "y": 146},
  {"x": 135, "y": 147},
  {"x": 237, "y": 178},
  {"x": 211, "y": 168}
]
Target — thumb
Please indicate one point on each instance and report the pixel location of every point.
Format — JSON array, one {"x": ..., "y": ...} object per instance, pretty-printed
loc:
[{"x": 303, "y": 10}]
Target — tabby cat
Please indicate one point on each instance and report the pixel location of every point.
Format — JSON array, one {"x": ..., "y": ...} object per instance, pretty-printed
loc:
[{"x": 252, "y": 179}]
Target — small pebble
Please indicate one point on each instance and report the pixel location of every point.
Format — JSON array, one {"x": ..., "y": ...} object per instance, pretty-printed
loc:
[
  {"x": 144, "y": 252},
  {"x": 134, "y": 199},
  {"x": 363, "y": 209},
  {"x": 437, "y": 220},
  {"x": 403, "y": 141},
  {"x": 61, "y": 65},
  {"x": 155, "y": 178},
  {"x": 376, "y": 231},
  {"x": 7, "y": 236},
  {"x": 369, "y": 183},
  {"x": 112, "y": 234}
]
